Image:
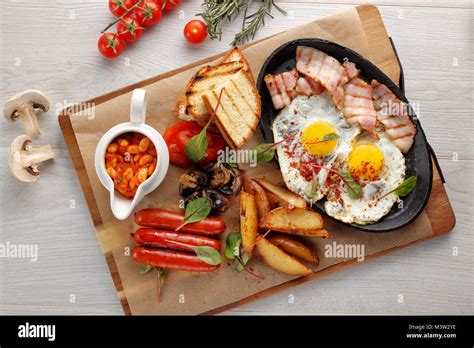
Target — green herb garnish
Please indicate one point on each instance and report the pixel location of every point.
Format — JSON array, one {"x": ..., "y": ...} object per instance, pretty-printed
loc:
[
  {"x": 240, "y": 257},
  {"x": 146, "y": 269},
  {"x": 404, "y": 188},
  {"x": 196, "y": 210},
  {"x": 196, "y": 147}
]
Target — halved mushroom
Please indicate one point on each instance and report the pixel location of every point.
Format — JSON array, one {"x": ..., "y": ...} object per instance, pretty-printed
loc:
[
  {"x": 218, "y": 201},
  {"x": 225, "y": 178},
  {"x": 24, "y": 158},
  {"x": 194, "y": 180},
  {"x": 25, "y": 106}
]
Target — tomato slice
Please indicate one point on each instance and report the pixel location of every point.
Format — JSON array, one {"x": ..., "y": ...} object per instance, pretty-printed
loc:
[{"x": 178, "y": 134}]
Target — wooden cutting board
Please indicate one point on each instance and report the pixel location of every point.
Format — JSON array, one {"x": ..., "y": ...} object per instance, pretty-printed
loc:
[{"x": 438, "y": 209}]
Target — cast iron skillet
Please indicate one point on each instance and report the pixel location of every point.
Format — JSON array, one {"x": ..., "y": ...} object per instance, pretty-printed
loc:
[{"x": 417, "y": 160}]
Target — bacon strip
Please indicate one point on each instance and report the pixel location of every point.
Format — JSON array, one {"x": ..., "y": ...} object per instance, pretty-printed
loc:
[
  {"x": 282, "y": 87},
  {"x": 392, "y": 113},
  {"x": 307, "y": 86},
  {"x": 351, "y": 70},
  {"x": 358, "y": 106},
  {"x": 325, "y": 69}
]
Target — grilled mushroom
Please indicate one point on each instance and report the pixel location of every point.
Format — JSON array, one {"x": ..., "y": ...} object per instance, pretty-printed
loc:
[
  {"x": 218, "y": 201},
  {"x": 225, "y": 178},
  {"x": 193, "y": 181}
]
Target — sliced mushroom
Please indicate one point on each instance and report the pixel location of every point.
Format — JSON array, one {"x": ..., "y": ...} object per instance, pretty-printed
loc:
[
  {"x": 25, "y": 105},
  {"x": 24, "y": 158},
  {"x": 193, "y": 181}
]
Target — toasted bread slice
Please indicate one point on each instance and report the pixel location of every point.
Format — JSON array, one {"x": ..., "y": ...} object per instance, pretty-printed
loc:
[
  {"x": 238, "y": 112},
  {"x": 234, "y": 55},
  {"x": 195, "y": 105},
  {"x": 190, "y": 105}
]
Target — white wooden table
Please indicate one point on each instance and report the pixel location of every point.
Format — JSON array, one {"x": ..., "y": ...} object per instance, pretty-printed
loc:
[{"x": 51, "y": 45}]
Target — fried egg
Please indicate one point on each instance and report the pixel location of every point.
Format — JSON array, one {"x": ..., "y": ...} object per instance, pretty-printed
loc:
[
  {"x": 379, "y": 167},
  {"x": 312, "y": 134}
]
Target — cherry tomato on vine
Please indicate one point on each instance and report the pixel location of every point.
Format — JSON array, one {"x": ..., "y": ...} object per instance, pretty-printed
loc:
[
  {"x": 148, "y": 12},
  {"x": 169, "y": 5},
  {"x": 119, "y": 7},
  {"x": 195, "y": 31},
  {"x": 129, "y": 29},
  {"x": 110, "y": 45}
]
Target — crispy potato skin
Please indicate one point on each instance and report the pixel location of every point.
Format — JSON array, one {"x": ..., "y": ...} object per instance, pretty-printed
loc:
[
  {"x": 248, "y": 221},
  {"x": 281, "y": 261},
  {"x": 281, "y": 195},
  {"x": 298, "y": 221},
  {"x": 263, "y": 206},
  {"x": 294, "y": 247}
]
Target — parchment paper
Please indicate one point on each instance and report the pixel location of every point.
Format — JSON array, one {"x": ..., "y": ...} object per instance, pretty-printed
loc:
[{"x": 189, "y": 293}]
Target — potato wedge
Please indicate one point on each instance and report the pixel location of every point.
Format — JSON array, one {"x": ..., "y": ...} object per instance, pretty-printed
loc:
[
  {"x": 263, "y": 206},
  {"x": 279, "y": 260},
  {"x": 294, "y": 247},
  {"x": 282, "y": 195},
  {"x": 298, "y": 221},
  {"x": 248, "y": 221}
]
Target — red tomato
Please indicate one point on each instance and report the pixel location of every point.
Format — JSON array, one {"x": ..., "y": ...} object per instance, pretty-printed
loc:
[
  {"x": 169, "y": 5},
  {"x": 129, "y": 29},
  {"x": 148, "y": 13},
  {"x": 119, "y": 7},
  {"x": 110, "y": 45},
  {"x": 195, "y": 31},
  {"x": 178, "y": 134}
]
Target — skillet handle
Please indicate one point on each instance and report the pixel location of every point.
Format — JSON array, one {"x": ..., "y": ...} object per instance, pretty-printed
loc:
[{"x": 401, "y": 85}]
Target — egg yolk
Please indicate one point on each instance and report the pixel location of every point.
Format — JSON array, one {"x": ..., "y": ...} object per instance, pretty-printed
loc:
[
  {"x": 366, "y": 161},
  {"x": 313, "y": 140}
]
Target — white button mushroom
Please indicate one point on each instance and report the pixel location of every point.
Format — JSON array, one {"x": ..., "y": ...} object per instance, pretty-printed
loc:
[
  {"x": 24, "y": 158},
  {"x": 25, "y": 105}
]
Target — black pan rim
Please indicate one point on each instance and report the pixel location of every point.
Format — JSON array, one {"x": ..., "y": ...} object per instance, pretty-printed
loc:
[{"x": 394, "y": 88}]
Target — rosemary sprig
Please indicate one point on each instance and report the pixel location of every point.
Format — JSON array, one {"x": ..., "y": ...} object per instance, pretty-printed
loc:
[
  {"x": 253, "y": 22},
  {"x": 215, "y": 12}
]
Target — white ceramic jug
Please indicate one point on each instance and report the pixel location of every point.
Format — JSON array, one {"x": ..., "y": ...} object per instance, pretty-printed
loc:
[{"x": 121, "y": 206}]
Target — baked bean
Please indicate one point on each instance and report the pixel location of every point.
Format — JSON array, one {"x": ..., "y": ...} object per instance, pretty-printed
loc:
[
  {"x": 130, "y": 160},
  {"x": 145, "y": 159},
  {"x": 133, "y": 149},
  {"x": 144, "y": 144},
  {"x": 122, "y": 142},
  {"x": 112, "y": 148}
]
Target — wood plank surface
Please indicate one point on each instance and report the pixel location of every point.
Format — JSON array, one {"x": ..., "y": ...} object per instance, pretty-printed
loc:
[{"x": 438, "y": 64}]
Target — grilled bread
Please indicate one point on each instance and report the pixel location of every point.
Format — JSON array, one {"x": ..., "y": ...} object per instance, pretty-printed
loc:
[
  {"x": 238, "y": 113},
  {"x": 190, "y": 106}
]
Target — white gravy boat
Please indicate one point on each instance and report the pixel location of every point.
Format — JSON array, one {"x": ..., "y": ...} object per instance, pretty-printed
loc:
[{"x": 121, "y": 206}]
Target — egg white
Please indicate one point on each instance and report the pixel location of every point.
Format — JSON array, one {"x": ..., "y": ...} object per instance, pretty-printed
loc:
[
  {"x": 302, "y": 112},
  {"x": 370, "y": 207}
]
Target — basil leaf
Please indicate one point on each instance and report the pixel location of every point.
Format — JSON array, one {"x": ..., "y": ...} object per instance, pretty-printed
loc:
[
  {"x": 330, "y": 136},
  {"x": 196, "y": 210},
  {"x": 208, "y": 255},
  {"x": 354, "y": 189},
  {"x": 146, "y": 269},
  {"x": 232, "y": 247},
  {"x": 406, "y": 186},
  {"x": 161, "y": 272},
  {"x": 196, "y": 147},
  {"x": 264, "y": 153}
]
